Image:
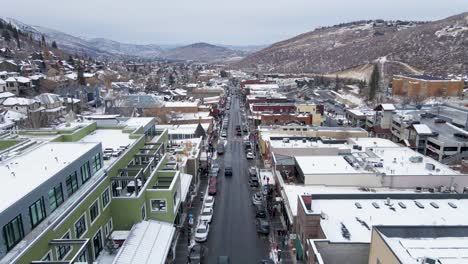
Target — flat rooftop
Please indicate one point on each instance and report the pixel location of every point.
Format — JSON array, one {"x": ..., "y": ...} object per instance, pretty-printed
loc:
[
  {"x": 424, "y": 77},
  {"x": 110, "y": 138},
  {"x": 325, "y": 165},
  {"x": 448, "y": 244},
  {"x": 24, "y": 173},
  {"x": 396, "y": 161},
  {"x": 338, "y": 214},
  {"x": 372, "y": 142}
]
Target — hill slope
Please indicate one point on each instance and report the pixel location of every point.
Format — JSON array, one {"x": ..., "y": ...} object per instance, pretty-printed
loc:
[
  {"x": 202, "y": 52},
  {"x": 437, "y": 47}
]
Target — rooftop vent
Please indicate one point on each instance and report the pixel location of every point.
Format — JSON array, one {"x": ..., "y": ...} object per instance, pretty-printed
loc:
[
  {"x": 418, "y": 204},
  {"x": 416, "y": 159},
  {"x": 376, "y": 205},
  {"x": 434, "y": 205},
  {"x": 402, "y": 205},
  {"x": 452, "y": 205},
  {"x": 430, "y": 166},
  {"x": 285, "y": 140},
  {"x": 345, "y": 232},
  {"x": 358, "y": 205}
]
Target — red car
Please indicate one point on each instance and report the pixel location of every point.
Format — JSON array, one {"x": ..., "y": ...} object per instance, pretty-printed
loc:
[{"x": 212, "y": 188}]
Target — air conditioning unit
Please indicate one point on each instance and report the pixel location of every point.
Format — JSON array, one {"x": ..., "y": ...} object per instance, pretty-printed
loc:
[{"x": 427, "y": 260}]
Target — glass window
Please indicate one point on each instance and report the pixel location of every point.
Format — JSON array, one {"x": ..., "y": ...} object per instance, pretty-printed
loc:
[
  {"x": 55, "y": 197},
  {"x": 110, "y": 225},
  {"x": 158, "y": 205},
  {"x": 97, "y": 164},
  {"x": 94, "y": 210},
  {"x": 37, "y": 212},
  {"x": 143, "y": 212},
  {"x": 82, "y": 257},
  {"x": 85, "y": 172},
  {"x": 13, "y": 232},
  {"x": 105, "y": 198},
  {"x": 47, "y": 257},
  {"x": 72, "y": 183},
  {"x": 62, "y": 251},
  {"x": 80, "y": 226}
]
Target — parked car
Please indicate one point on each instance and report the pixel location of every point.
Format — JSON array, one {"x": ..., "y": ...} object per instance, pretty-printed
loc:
[
  {"x": 206, "y": 215},
  {"x": 215, "y": 166},
  {"x": 253, "y": 181},
  {"x": 197, "y": 252},
  {"x": 209, "y": 202},
  {"x": 250, "y": 155},
  {"x": 220, "y": 149},
  {"x": 212, "y": 189},
  {"x": 228, "y": 171},
  {"x": 260, "y": 211},
  {"x": 253, "y": 171},
  {"x": 263, "y": 227},
  {"x": 257, "y": 198},
  {"x": 267, "y": 261},
  {"x": 201, "y": 232}
]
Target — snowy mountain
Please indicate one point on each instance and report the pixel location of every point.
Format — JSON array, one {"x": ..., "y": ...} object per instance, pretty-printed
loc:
[
  {"x": 202, "y": 52},
  {"x": 438, "y": 47}
]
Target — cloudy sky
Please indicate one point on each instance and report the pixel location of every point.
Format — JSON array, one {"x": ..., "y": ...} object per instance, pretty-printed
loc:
[{"x": 235, "y": 22}]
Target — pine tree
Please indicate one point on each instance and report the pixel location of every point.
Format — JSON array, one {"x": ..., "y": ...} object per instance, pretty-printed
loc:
[
  {"x": 54, "y": 44},
  {"x": 374, "y": 83},
  {"x": 43, "y": 41},
  {"x": 6, "y": 35},
  {"x": 16, "y": 37},
  {"x": 2, "y": 26}
]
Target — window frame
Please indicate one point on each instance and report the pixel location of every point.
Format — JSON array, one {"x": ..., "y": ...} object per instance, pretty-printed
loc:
[
  {"x": 58, "y": 248},
  {"x": 96, "y": 163},
  {"x": 68, "y": 180},
  {"x": 57, "y": 204},
  {"x": 44, "y": 213},
  {"x": 158, "y": 211},
  {"x": 85, "y": 225},
  {"x": 96, "y": 202},
  {"x": 85, "y": 171},
  {"x": 48, "y": 256},
  {"x": 19, "y": 219},
  {"x": 104, "y": 206}
]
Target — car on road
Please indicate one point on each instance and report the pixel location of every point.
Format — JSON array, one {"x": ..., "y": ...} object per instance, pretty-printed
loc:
[
  {"x": 224, "y": 134},
  {"x": 257, "y": 198},
  {"x": 220, "y": 149},
  {"x": 201, "y": 232},
  {"x": 253, "y": 181},
  {"x": 197, "y": 252},
  {"x": 228, "y": 171},
  {"x": 253, "y": 171},
  {"x": 263, "y": 227},
  {"x": 212, "y": 188},
  {"x": 215, "y": 166},
  {"x": 209, "y": 202},
  {"x": 260, "y": 211},
  {"x": 250, "y": 155},
  {"x": 206, "y": 215}
]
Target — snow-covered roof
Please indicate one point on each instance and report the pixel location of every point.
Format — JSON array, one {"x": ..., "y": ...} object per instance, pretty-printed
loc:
[
  {"x": 2, "y": 81},
  {"x": 148, "y": 242},
  {"x": 110, "y": 138},
  {"x": 185, "y": 180},
  {"x": 6, "y": 94},
  {"x": 325, "y": 165},
  {"x": 29, "y": 170},
  {"x": 422, "y": 129},
  {"x": 48, "y": 98},
  {"x": 339, "y": 212},
  {"x": 11, "y": 101}
]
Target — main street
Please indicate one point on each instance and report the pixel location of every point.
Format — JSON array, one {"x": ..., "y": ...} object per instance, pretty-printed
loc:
[{"x": 233, "y": 231}]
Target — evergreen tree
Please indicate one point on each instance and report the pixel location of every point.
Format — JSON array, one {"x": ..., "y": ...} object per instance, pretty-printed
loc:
[
  {"x": 43, "y": 41},
  {"x": 6, "y": 35},
  {"x": 171, "y": 79},
  {"x": 374, "y": 83},
  {"x": 54, "y": 44},
  {"x": 16, "y": 37},
  {"x": 2, "y": 26},
  {"x": 70, "y": 60},
  {"x": 81, "y": 79}
]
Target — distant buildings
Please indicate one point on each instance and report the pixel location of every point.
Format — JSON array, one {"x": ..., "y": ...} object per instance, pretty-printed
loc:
[{"x": 424, "y": 86}]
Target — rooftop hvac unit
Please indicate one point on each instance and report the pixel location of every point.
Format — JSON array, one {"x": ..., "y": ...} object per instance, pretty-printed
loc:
[
  {"x": 427, "y": 260},
  {"x": 416, "y": 159},
  {"x": 285, "y": 140},
  {"x": 430, "y": 166}
]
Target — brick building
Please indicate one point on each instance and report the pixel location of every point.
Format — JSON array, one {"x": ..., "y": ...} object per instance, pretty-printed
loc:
[
  {"x": 285, "y": 118},
  {"x": 425, "y": 86}
]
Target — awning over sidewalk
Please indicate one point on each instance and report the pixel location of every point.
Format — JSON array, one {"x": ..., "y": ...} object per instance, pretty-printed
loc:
[
  {"x": 185, "y": 180},
  {"x": 148, "y": 242}
]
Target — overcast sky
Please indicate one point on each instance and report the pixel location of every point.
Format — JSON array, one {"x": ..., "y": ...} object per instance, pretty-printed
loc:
[{"x": 236, "y": 22}]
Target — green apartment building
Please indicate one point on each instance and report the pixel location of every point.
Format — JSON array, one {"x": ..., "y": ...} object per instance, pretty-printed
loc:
[{"x": 65, "y": 190}]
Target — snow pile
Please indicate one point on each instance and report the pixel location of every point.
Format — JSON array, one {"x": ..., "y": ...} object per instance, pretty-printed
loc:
[{"x": 451, "y": 31}]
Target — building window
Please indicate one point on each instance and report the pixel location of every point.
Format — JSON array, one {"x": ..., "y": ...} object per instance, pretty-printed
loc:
[
  {"x": 62, "y": 251},
  {"x": 82, "y": 257},
  {"x": 47, "y": 257},
  {"x": 85, "y": 172},
  {"x": 97, "y": 164},
  {"x": 80, "y": 226},
  {"x": 94, "y": 211},
  {"x": 105, "y": 198},
  {"x": 158, "y": 205},
  {"x": 110, "y": 225},
  {"x": 55, "y": 197},
  {"x": 72, "y": 183},
  {"x": 37, "y": 212},
  {"x": 97, "y": 243},
  {"x": 143, "y": 212},
  {"x": 13, "y": 232}
]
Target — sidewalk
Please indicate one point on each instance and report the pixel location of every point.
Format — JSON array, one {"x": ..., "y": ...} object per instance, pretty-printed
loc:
[{"x": 181, "y": 251}]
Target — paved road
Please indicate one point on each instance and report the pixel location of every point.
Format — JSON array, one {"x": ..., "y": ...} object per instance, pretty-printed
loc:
[{"x": 233, "y": 231}]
